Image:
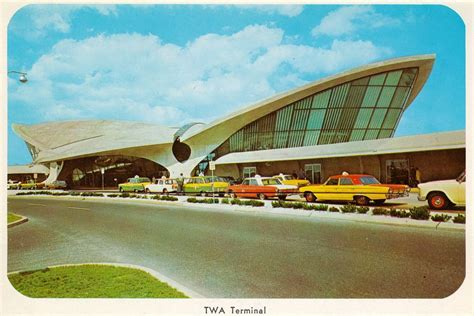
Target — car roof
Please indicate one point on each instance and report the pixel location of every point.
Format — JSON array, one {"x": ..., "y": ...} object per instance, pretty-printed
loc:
[{"x": 353, "y": 175}]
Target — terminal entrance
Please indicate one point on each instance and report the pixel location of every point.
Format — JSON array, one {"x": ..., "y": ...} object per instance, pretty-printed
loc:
[{"x": 87, "y": 172}]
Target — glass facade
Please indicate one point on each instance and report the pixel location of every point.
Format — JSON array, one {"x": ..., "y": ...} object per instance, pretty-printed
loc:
[{"x": 363, "y": 109}]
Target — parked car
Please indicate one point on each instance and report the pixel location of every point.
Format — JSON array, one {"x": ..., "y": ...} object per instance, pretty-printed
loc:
[
  {"x": 163, "y": 185},
  {"x": 136, "y": 184},
  {"x": 262, "y": 188},
  {"x": 290, "y": 180},
  {"x": 400, "y": 190},
  {"x": 31, "y": 185},
  {"x": 444, "y": 193},
  {"x": 343, "y": 188},
  {"x": 205, "y": 185},
  {"x": 57, "y": 184},
  {"x": 13, "y": 185}
]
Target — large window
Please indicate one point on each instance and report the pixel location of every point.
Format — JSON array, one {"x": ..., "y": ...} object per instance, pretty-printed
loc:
[{"x": 366, "y": 108}]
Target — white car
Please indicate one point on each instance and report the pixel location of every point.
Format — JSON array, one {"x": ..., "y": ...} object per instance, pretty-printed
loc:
[
  {"x": 13, "y": 185},
  {"x": 162, "y": 186},
  {"x": 444, "y": 193}
]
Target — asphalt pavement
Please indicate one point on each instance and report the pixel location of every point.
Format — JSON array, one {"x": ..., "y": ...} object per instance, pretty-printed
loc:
[{"x": 241, "y": 254}]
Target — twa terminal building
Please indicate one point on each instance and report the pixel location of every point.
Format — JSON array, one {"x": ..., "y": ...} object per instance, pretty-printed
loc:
[{"x": 344, "y": 122}]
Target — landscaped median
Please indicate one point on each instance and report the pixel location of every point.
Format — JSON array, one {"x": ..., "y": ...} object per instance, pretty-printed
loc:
[
  {"x": 421, "y": 213},
  {"x": 91, "y": 281},
  {"x": 14, "y": 220}
]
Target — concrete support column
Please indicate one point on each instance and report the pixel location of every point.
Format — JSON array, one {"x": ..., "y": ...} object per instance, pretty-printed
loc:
[{"x": 54, "y": 170}]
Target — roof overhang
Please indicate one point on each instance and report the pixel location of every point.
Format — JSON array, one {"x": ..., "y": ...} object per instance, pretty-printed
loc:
[{"x": 417, "y": 143}]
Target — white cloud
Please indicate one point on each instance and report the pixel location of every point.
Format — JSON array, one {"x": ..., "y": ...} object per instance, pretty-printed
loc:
[
  {"x": 347, "y": 20},
  {"x": 138, "y": 77},
  {"x": 55, "y": 17},
  {"x": 286, "y": 10}
]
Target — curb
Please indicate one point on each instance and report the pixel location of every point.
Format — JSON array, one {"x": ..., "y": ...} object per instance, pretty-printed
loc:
[
  {"x": 160, "y": 277},
  {"x": 267, "y": 210},
  {"x": 22, "y": 220}
]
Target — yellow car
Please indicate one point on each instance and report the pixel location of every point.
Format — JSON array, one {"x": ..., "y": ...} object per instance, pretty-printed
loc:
[
  {"x": 342, "y": 188},
  {"x": 205, "y": 185},
  {"x": 290, "y": 180},
  {"x": 136, "y": 184}
]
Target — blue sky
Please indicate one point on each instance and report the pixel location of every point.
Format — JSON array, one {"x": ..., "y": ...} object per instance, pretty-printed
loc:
[{"x": 172, "y": 64}]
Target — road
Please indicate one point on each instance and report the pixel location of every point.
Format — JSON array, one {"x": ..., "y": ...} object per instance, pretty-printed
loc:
[{"x": 241, "y": 254}]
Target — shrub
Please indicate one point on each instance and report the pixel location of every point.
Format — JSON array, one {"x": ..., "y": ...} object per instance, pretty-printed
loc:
[
  {"x": 194, "y": 200},
  {"x": 362, "y": 209},
  {"x": 112, "y": 195},
  {"x": 420, "y": 213},
  {"x": 440, "y": 218},
  {"x": 348, "y": 208},
  {"x": 166, "y": 198},
  {"x": 125, "y": 195},
  {"x": 459, "y": 219},
  {"x": 379, "y": 211},
  {"x": 333, "y": 209},
  {"x": 75, "y": 193},
  {"x": 91, "y": 194},
  {"x": 60, "y": 193},
  {"x": 276, "y": 204},
  {"x": 254, "y": 203},
  {"x": 190, "y": 200},
  {"x": 225, "y": 201},
  {"x": 235, "y": 202}
]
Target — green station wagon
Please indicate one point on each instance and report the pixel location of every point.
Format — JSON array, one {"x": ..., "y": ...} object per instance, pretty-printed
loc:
[
  {"x": 136, "y": 184},
  {"x": 205, "y": 185}
]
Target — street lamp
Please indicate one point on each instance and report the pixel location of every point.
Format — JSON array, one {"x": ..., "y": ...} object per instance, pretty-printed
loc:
[{"x": 22, "y": 76}]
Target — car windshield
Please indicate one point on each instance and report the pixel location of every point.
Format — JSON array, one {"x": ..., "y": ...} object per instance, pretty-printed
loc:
[
  {"x": 213, "y": 179},
  {"x": 369, "y": 180},
  {"x": 289, "y": 177},
  {"x": 271, "y": 182}
]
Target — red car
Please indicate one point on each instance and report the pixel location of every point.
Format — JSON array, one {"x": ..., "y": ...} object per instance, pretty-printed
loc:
[
  {"x": 262, "y": 188},
  {"x": 399, "y": 190}
]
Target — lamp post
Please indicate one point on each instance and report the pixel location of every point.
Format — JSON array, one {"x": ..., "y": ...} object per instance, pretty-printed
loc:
[{"x": 22, "y": 78}]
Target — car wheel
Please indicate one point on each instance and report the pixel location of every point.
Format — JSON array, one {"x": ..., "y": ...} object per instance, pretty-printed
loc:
[
  {"x": 147, "y": 190},
  {"x": 309, "y": 196},
  {"x": 136, "y": 191},
  {"x": 202, "y": 193},
  {"x": 379, "y": 202},
  {"x": 261, "y": 196},
  {"x": 165, "y": 192},
  {"x": 361, "y": 200},
  {"x": 120, "y": 189},
  {"x": 438, "y": 201},
  {"x": 232, "y": 195},
  {"x": 282, "y": 197}
]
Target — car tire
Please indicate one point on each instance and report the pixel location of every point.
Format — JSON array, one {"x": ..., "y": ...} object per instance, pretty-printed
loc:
[
  {"x": 282, "y": 197},
  {"x": 202, "y": 193},
  {"x": 261, "y": 196},
  {"x": 147, "y": 190},
  {"x": 379, "y": 202},
  {"x": 165, "y": 192},
  {"x": 361, "y": 200},
  {"x": 120, "y": 189},
  {"x": 309, "y": 196},
  {"x": 232, "y": 195},
  {"x": 438, "y": 201}
]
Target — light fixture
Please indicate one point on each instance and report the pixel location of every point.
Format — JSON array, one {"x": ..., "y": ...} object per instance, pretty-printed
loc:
[{"x": 22, "y": 78}]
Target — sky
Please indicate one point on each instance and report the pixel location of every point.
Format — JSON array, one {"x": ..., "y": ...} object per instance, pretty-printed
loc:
[{"x": 175, "y": 64}]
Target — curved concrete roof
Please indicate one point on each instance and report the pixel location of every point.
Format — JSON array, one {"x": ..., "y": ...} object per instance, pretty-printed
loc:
[
  {"x": 79, "y": 138},
  {"x": 241, "y": 118}
]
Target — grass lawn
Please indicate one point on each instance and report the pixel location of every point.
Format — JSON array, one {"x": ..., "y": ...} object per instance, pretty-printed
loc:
[
  {"x": 13, "y": 218},
  {"x": 95, "y": 281}
]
